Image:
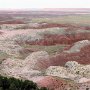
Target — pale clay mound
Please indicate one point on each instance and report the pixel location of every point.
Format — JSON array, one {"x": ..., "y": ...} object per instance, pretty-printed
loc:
[
  {"x": 16, "y": 69},
  {"x": 24, "y": 68},
  {"x": 31, "y": 66},
  {"x": 72, "y": 70},
  {"x": 31, "y": 32},
  {"x": 19, "y": 69},
  {"x": 10, "y": 48},
  {"x": 18, "y": 26},
  {"x": 33, "y": 60},
  {"x": 60, "y": 72},
  {"x": 77, "y": 46}
]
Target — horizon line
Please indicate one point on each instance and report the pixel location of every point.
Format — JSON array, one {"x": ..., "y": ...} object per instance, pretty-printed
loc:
[{"x": 44, "y": 9}]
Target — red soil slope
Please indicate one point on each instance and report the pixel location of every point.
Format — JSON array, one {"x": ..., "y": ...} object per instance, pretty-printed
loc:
[
  {"x": 60, "y": 39},
  {"x": 54, "y": 83},
  {"x": 83, "y": 57},
  {"x": 13, "y": 22},
  {"x": 68, "y": 26}
]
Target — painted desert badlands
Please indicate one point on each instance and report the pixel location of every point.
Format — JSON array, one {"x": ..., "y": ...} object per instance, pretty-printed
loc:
[{"x": 50, "y": 48}]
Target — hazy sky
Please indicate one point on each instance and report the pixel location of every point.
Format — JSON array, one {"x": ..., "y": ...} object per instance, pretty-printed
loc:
[{"x": 22, "y": 4}]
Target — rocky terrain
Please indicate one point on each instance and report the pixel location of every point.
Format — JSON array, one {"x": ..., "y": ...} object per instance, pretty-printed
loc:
[{"x": 53, "y": 52}]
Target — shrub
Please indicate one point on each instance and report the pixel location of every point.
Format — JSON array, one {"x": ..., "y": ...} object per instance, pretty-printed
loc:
[{"x": 16, "y": 84}]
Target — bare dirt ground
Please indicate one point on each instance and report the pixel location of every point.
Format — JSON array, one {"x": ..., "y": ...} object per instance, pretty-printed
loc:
[{"x": 53, "y": 52}]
